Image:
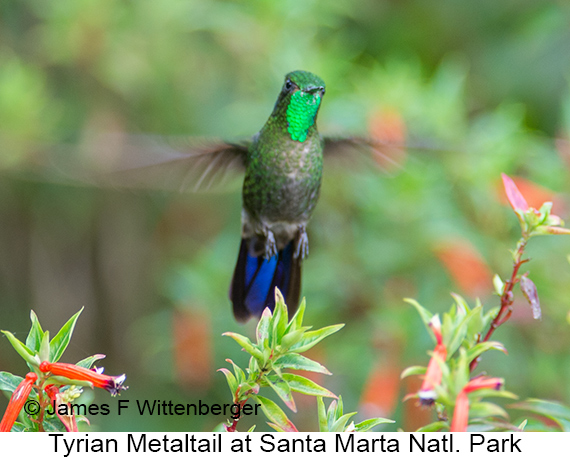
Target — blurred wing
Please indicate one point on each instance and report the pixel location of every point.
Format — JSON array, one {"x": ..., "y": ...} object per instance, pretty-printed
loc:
[
  {"x": 388, "y": 155},
  {"x": 146, "y": 162},
  {"x": 351, "y": 151}
]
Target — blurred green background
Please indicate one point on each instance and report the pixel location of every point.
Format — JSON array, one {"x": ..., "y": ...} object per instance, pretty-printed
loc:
[{"x": 483, "y": 84}]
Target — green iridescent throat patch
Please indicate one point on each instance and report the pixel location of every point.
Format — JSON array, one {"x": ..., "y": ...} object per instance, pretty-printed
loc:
[{"x": 301, "y": 114}]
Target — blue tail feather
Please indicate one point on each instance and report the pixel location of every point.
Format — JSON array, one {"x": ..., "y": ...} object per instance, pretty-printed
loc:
[{"x": 255, "y": 280}]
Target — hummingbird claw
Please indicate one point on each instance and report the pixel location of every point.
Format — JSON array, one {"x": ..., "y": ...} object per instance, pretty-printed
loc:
[
  {"x": 270, "y": 245},
  {"x": 302, "y": 250}
]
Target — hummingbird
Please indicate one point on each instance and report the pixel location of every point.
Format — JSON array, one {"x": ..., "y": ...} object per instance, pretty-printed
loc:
[
  {"x": 283, "y": 167},
  {"x": 283, "y": 174}
]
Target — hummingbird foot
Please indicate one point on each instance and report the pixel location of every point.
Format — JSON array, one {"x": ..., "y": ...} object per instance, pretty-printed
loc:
[
  {"x": 302, "y": 248},
  {"x": 270, "y": 245}
]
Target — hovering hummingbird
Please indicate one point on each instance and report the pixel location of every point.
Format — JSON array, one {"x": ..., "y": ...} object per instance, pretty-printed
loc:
[
  {"x": 283, "y": 171},
  {"x": 283, "y": 165}
]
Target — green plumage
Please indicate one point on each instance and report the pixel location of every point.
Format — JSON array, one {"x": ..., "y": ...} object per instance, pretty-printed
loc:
[
  {"x": 283, "y": 165},
  {"x": 301, "y": 114},
  {"x": 283, "y": 171},
  {"x": 285, "y": 160}
]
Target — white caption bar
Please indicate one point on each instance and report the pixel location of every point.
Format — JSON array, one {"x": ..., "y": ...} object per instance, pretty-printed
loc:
[{"x": 401, "y": 444}]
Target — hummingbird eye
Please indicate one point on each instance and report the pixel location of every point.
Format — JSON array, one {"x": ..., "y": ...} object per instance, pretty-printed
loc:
[{"x": 288, "y": 85}]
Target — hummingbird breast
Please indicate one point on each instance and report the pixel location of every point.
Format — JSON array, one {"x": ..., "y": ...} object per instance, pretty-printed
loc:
[{"x": 283, "y": 180}]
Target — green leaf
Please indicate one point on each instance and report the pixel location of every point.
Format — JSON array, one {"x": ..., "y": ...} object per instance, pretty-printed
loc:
[
  {"x": 545, "y": 210},
  {"x": 490, "y": 315},
  {"x": 280, "y": 318},
  {"x": 454, "y": 332},
  {"x": 35, "y": 334},
  {"x": 415, "y": 370},
  {"x": 230, "y": 379},
  {"x": 262, "y": 330},
  {"x": 490, "y": 424},
  {"x": 322, "y": 415},
  {"x": 334, "y": 412},
  {"x": 253, "y": 366},
  {"x": 297, "y": 320},
  {"x": 246, "y": 343},
  {"x": 27, "y": 423},
  {"x": 474, "y": 323},
  {"x": 480, "y": 348},
  {"x": 550, "y": 409},
  {"x": 27, "y": 354},
  {"x": 60, "y": 341},
  {"x": 295, "y": 361},
  {"x": 18, "y": 427},
  {"x": 9, "y": 381},
  {"x": 423, "y": 312},
  {"x": 246, "y": 389},
  {"x": 220, "y": 428},
  {"x": 89, "y": 361},
  {"x": 498, "y": 284},
  {"x": 313, "y": 337},
  {"x": 485, "y": 409},
  {"x": 336, "y": 408},
  {"x": 340, "y": 424},
  {"x": 277, "y": 428},
  {"x": 53, "y": 424},
  {"x": 485, "y": 393},
  {"x": 460, "y": 376},
  {"x": 240, "y": 374},
  {"x": 475, "y": 326},
  {"x": 462, "y": 305},
  {"x": 282, "y": 388},
  {"x": 44, "y": 347},
  {"x": 563, "y": 423},
  {"x": 276, "y": 370},
  {"x": 306, "y": 386},
  {"x": 291, "y": 338},
  {"x": 433, "y": 427},
  {"x": 266, "y": 357},
  {"x": 369, "y": 424},
  {"x": 275, "y": 414},
  {"x": 458, "y": 337}
]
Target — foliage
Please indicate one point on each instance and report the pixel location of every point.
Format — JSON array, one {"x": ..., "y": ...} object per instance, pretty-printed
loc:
[
  {"x": 278, "y": 348},
  {"x": 45, "y": 399},
  {"x": 481, "y": 88},
  {"x": 463, "y": 339},
  {"x": 333, "y": 419}
]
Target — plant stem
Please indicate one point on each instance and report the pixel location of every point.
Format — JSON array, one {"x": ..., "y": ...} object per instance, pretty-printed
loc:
[
  {"x": 232, "y": 427},
  {"x": 506, "y": 297}
]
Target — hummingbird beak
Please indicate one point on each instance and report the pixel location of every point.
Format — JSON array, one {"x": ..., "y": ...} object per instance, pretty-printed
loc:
[
  {"x": 315, "y": 89},
  {"x": 316, "y": 92}
]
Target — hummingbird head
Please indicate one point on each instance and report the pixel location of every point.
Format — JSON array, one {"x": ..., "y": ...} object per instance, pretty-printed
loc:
[{"x": 301, "y": 97}]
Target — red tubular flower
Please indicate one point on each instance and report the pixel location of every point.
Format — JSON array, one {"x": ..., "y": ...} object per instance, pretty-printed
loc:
[
  {"x": 113, "y": 384},
  {"x": 17, "y": 401},
  {"x": 68, "y": 420},
  {"x": 433, "y": 374},
  {"x": 461, "y": 412}
]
